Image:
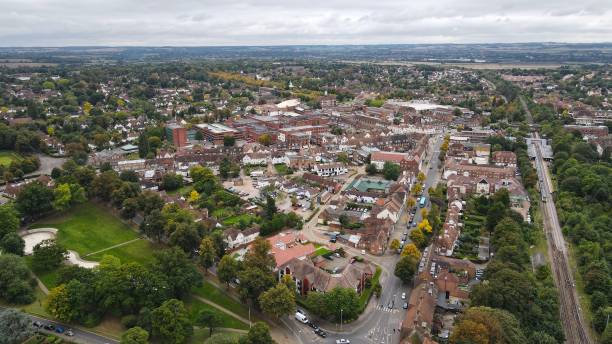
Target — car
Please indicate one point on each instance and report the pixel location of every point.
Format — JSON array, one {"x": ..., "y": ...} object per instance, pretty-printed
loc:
[
  {"x": 403, "y": 296},
  {"x": 69, "y": 333},
  {"x": 60, "y": 330},
  {"x": 37, "y": 324},
  {"x": 322, "y": 333},
  {"x": 313, "y": 325},
  {"x": 49, "y": 327},
  {"x": 363, "y": 252},
  {"x": 390, "y": 305},
  {"x": 343, "y": 341},
  {"x": 405, "y": 305}
]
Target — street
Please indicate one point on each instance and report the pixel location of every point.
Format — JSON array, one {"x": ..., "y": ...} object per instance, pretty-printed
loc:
[{"x": 80, "y": 335}]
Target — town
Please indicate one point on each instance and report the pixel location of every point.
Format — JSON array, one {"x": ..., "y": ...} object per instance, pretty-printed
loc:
[{"x": 302, "y": 201}]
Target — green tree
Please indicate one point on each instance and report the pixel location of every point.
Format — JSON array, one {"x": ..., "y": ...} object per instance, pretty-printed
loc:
[
  {"x": 9, "y": 219},
  {"x": 259, "y": 333},
  {"x": 35, "y": 200},
  {"x": 16, "y": 283},
  {"x": 172, "y": 181},
  {"x": 391, "y": 171},
  {"x": 270, "y": 208},
  {"x": 406, "y": 268},
  {"x": 265, "y": 139},
  {"x": 394, "y": 245},
  {"x": 208, "y": 253},
  {"x": 259, "y": 255},
  {"x": 15, "y": 326},
  {"x": 277, "y": 301},
  {"x": 177, "y": 269},
  {"x": 209, "y": 318},
  {"x": 371, "y": 169},
  {"x": 135, "y": 335},
  {"x": 171, "y": 323},
  {"x": 62, "y": 197},
  {"x": 229, "y": 141},
  {"x": 227, "y": 269},
  {"x": 12, "y": 243},
  {"x": 254, "y": 281},
  {"x": 418, "y": 238},
  {"x": 48, "y": 255}
]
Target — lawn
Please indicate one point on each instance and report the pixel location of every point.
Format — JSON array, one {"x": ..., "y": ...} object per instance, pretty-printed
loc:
[
  {"x": 223, "y": 213},
  {"x": 210, "y": 292},
  {"x": 321, "y": 250},
  {"x": 200, "y": 335},
  {"x": 89, "y": 228},
  {"x": 283, "y": 169},
  {"x": 236, "y": 219},
  {"x": 194, "y": 306},
  {"x": 365, "y": 296},
  {"x": 6, "y": 157}
]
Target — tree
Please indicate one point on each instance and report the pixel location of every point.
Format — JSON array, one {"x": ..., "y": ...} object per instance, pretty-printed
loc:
[
  {"x": 129, "y": 208},
  {"x": 185, "y": 236},
  {"x": 62, "y": 197},
  {"x": 9, "y": 219},
  {"x": 391, "y": 171},
  {"x": 16, "y": 283},
  {"x": 371, "y": 169},
  {"x": 172, "y": 181},
  {"x": 35, "y": 199},
  {"x": 229, "y": 141},
  {"x": 15, "y": 326},
  {"x": 394, "y": 245},
  {"x": 421, "y": 177},
  {"x": 410, "y": 202},
  {"x": 180, "y": 273},
  {"x": 208, "y": 253},
  {"x": 135, "y": 335},
  {"x": 171, "y": 323},
  {"x": 469, "y": 332},
  {"x": 343, "y": 158},
  {"x": 254, "y": 281},
  {"x": 259, "y": 255},
  {"x": 424, "y": 226},
  {"x": 259, "y": 333},
  {"x": 270, "y": 208},
  {"x": 209, "y": 318},
  {"x": 194, "y": 197},
  {"x": 265, "y": 139},
  {"x": 405, "y": 268},
  {"x": 416, "y": 189},
  {"x": 153, "y": 225},
  {"x": 48, "y": 255},
  {"x": 417, "y": 237},
  {"x": 277, "y": 301},
  {"x": 12, "y": 243},
  {"x": 227, "y": 269},
  {"x": 412, "y": 251}
]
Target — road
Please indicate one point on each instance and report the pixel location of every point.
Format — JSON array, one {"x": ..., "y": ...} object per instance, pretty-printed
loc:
[
  {"x": 572, "y": 319},
  {"x": 80, "y": 336},
  {"x": 378, "y": 321}
]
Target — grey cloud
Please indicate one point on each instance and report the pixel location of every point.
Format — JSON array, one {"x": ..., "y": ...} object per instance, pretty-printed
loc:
[{"x": 263, "y": 22}]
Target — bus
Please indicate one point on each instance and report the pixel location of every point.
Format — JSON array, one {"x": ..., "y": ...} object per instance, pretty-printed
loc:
[{"x": 422, "y": 201}]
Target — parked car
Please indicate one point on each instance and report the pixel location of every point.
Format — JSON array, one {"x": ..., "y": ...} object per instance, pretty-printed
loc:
[
  {"x": 49, "y": 327},
  {"x": 321, "y": 333},
  {"x": 60, "y": 330},
  {"x": 313, "y": 325},
  {"x": 69, "y": 333},
  {"x": 405, "y": 305},
  {"x": 403, "y": 296},
  {"x": 37, "y": 324},
  {"x": 343, "y": 341}
]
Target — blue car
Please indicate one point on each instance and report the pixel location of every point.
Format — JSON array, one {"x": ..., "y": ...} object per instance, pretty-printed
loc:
[{"x": 60, "y": 330}]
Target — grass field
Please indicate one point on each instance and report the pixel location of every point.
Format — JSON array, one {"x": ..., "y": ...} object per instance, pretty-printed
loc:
[
  {"x": 6, "y": 157},
  {"x": 195, "y": 306},
  {"x": 210, "y": 292},
  {"x": 234, "y": 220},
  {"x": 89, "y": 228}
]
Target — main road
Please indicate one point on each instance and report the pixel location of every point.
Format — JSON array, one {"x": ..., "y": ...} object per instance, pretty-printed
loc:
[{"x": 382, "y": 319}]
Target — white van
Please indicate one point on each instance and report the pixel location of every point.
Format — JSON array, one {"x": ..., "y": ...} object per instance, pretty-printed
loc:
[{"x": 299, "y": 316}]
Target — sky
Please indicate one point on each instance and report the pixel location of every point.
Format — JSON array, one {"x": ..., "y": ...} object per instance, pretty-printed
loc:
[{"x": 290, "y": 22}]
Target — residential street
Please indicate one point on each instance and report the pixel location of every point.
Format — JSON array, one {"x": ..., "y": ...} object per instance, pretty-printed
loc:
[{"x": 379, "y": 320}]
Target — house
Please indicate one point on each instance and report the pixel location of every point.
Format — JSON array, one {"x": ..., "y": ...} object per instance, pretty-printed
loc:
[
  {"x": 289, "y": 245},
  {"x": 329, "y": 169},
  {"x": 504, "y": 158},
  {"x": 309, "y": 277},
  {"x": 420, "y": 315},
  {"x": 236, "y": 238},
  {"x": 255, "y": 159}
]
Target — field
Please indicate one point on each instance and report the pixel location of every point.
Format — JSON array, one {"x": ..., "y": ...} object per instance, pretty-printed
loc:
[
  {"x": 93, "y": 231},
  {"x": 210, "y": 292},
  {"x": 6, "y": 157},
  {"x": 194, "y": 306}
]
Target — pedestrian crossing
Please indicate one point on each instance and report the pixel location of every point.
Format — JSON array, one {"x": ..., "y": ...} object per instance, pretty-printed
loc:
[{"x": 387, "y": 309}]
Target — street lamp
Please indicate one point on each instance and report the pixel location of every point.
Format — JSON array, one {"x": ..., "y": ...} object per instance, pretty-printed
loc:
[{"x": 341, "y": 319}]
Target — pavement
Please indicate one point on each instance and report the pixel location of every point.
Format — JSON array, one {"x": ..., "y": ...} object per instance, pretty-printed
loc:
[{"x": 382, "y": 318}]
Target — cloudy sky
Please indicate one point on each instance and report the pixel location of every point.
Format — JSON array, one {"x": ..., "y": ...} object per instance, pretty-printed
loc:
[{"x": 277, "y": 22}]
